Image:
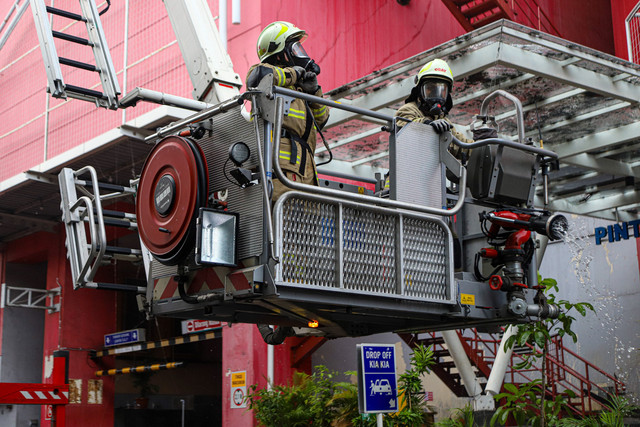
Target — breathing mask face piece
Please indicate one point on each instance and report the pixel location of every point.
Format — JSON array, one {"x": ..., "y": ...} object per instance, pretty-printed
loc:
[
  {"x": 297, "y": 51},
  {"x": 301, "y": 58},
  {"x": 434, "y": 95}
]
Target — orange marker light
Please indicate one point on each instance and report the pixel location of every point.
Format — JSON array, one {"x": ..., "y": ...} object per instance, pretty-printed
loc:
[{"x": 313, "y": 324}]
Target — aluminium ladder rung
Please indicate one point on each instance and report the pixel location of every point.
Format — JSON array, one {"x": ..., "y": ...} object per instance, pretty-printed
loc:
[
  {"x": 104, "y": 185},
  {"x": 116, "y": 287},
  {"x": 118, "y": 214},
  {"x": 84, "y": 91},
  {"x": 71, "y": 38},
  {"x": 77, "y": 64},
  {"x": 65, "y": 14},
  {"x": 123, "y": 251}
]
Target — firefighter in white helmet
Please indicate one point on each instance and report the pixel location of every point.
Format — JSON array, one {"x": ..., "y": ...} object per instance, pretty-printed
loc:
[
  {"x": 430, "y": 102},
  {"x": 282, "y": 55}
]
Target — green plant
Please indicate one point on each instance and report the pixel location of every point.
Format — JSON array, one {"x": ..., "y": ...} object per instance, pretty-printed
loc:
[
  {"x": 414, "y": 408},
  {"x": 320, "y": 401},
  {"x": 538, "y": 334},
  {"x": 461, "y": 417},
  {"x": 523, "y": 403},
  {"x": 618, "y": 407},
  {"x": 142, "y": 381},
  {"x": 309, "y": 399}
]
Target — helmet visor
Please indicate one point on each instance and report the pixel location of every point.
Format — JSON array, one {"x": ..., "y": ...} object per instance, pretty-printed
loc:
[
  {"x": 298, "y": 51},
  {"x": 434, "y": 89}
]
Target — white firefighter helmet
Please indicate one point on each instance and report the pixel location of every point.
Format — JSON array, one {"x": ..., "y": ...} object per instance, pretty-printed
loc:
[
  {"x": 273, "y": 38},
  {"x": 436, "y": 69}
]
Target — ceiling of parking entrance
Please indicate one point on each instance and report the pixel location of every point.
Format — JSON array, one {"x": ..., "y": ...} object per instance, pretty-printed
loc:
[{"x": 582, "y": 103}]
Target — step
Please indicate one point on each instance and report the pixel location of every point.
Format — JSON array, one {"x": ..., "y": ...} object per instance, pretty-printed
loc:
[
  {"x": 87, "y": 92},
  {"x": 65, "y": 14},
  {"x": 479, "y": 9},
  {"x": 77, "y": 64},
  {"x": 489, "y": 19},
  {"x": 71, "y": 38}
]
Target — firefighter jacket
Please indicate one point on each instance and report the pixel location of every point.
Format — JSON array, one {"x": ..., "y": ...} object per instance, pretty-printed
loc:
[
  {"x": 298, "y": 139},
  {"x": 412, "y": 112}
]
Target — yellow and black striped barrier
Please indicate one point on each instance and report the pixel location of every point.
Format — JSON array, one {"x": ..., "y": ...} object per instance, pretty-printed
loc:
[
  {"x": 185, "y": 339},
  {"x": 141, "y": 368}
]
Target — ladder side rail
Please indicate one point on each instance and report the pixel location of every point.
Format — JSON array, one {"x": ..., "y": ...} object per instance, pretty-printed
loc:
[
  {"x": 13, "y": 22},
  {"x": 110, "y": 86},
  {"x": 55, "y": 81},
  {"x": 93, "y": 248},
  {"x": 75, "y": 231},
  {"x": 98, "y": 231}
]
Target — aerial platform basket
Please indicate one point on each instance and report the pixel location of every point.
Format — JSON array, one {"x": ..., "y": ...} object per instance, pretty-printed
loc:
[{"x": 344, "y": 261}]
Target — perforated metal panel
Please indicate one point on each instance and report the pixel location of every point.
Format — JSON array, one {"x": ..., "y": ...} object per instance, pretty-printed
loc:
[
  {"x": 416, "y": 172},
  {"x": 309, "y": 251},
  {"x": 340, "y": 245},
  {"x": 227, "y": 129},
  {"x": 425, "y": 254}
]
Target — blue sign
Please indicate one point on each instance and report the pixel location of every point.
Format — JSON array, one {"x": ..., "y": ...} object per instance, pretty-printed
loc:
[
  {"x": 124, "y": 337},
  {"x": 617, "y": 232},
  {"x": 377, "y": 387}
]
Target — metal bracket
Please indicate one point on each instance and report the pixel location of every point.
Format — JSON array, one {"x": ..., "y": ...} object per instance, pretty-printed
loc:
[
  {"x": 13, "y": 296},
  {"x": 266, "y": 99}
]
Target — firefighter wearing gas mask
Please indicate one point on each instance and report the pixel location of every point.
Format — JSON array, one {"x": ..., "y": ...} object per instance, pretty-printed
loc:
[
  {"x": 430, "y": 102},
  {"x": 281, "y": 54}
]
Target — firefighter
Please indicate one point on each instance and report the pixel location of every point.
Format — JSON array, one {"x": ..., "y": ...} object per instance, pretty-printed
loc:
[
  {"x": 430, "y": 102},
  {"x": 282, "y": 55}
]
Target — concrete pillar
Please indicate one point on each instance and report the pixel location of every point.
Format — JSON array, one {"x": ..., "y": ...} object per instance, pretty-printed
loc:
[
  {"x": 84, "y": 318},
  {"x": 244, "y": 350}
]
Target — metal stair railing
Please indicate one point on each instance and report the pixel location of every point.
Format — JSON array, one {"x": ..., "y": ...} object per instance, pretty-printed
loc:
[
  {"x": 87, "y": 253},
  {"x": 473, "y": 14},
  {"x": 561, "y": 376},
  {"x": 531, "y": 14},
  {"x": 96, "y": 39}
]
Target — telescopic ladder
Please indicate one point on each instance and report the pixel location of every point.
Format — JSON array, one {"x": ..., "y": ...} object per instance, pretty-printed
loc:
[{"x": 96, "y": 39}]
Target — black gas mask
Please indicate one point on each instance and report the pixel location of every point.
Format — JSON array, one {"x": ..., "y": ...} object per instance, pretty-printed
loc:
[
  {"x": 298, "y": 56},
  {"x": 433, "y": 97}
]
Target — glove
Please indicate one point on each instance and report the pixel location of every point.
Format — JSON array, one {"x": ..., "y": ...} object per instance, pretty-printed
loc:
[
  {"x": 299, "y": 72},
  {"x": 313, "y": 67},
  {"x": 440, "y": 125},
  {"x": 309, "y": 83}
]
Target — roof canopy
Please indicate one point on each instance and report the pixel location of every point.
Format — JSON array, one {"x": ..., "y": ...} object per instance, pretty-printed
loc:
[{"x": 582, "y": 103}]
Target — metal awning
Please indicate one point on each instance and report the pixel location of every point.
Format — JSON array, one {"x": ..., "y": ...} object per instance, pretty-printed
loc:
[
  {"x": 30, "y": 201},
  {"x": 583, "y": 103}
]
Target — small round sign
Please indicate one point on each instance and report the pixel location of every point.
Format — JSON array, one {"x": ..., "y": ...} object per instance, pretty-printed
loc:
[
  {"x": 238, "y": 397},
  {"x": 164, "y": 195}
]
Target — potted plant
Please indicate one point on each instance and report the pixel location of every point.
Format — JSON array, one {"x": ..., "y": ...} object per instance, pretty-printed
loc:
[{"x": 142, "y": 381}]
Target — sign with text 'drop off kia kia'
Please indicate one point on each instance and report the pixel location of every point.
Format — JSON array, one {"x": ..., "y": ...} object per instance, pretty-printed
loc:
[{"x": 377, "y": 387}]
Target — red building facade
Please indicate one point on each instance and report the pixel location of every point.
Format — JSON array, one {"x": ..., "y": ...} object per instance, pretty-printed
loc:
[{"x": 348, "y": 39}]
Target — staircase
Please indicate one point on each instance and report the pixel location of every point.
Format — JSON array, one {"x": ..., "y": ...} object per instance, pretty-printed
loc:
[
  {"x": 565, "y": 369},
  {"x": 473, "y": 14},
  {"x": 96, "y": 40}
]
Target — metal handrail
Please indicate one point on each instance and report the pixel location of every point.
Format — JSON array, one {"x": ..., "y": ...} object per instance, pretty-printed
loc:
[
  {"x": 100, "y": 234},
  {"x": 516, "y": 102},
  {"x": 555, "y": 363},
  {"x": 352, "y": 196}
]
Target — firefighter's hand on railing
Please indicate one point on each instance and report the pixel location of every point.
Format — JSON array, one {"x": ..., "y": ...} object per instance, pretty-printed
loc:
[
  {"x": 440, "y": 125},
  {"x": 309, "y": 83}
]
